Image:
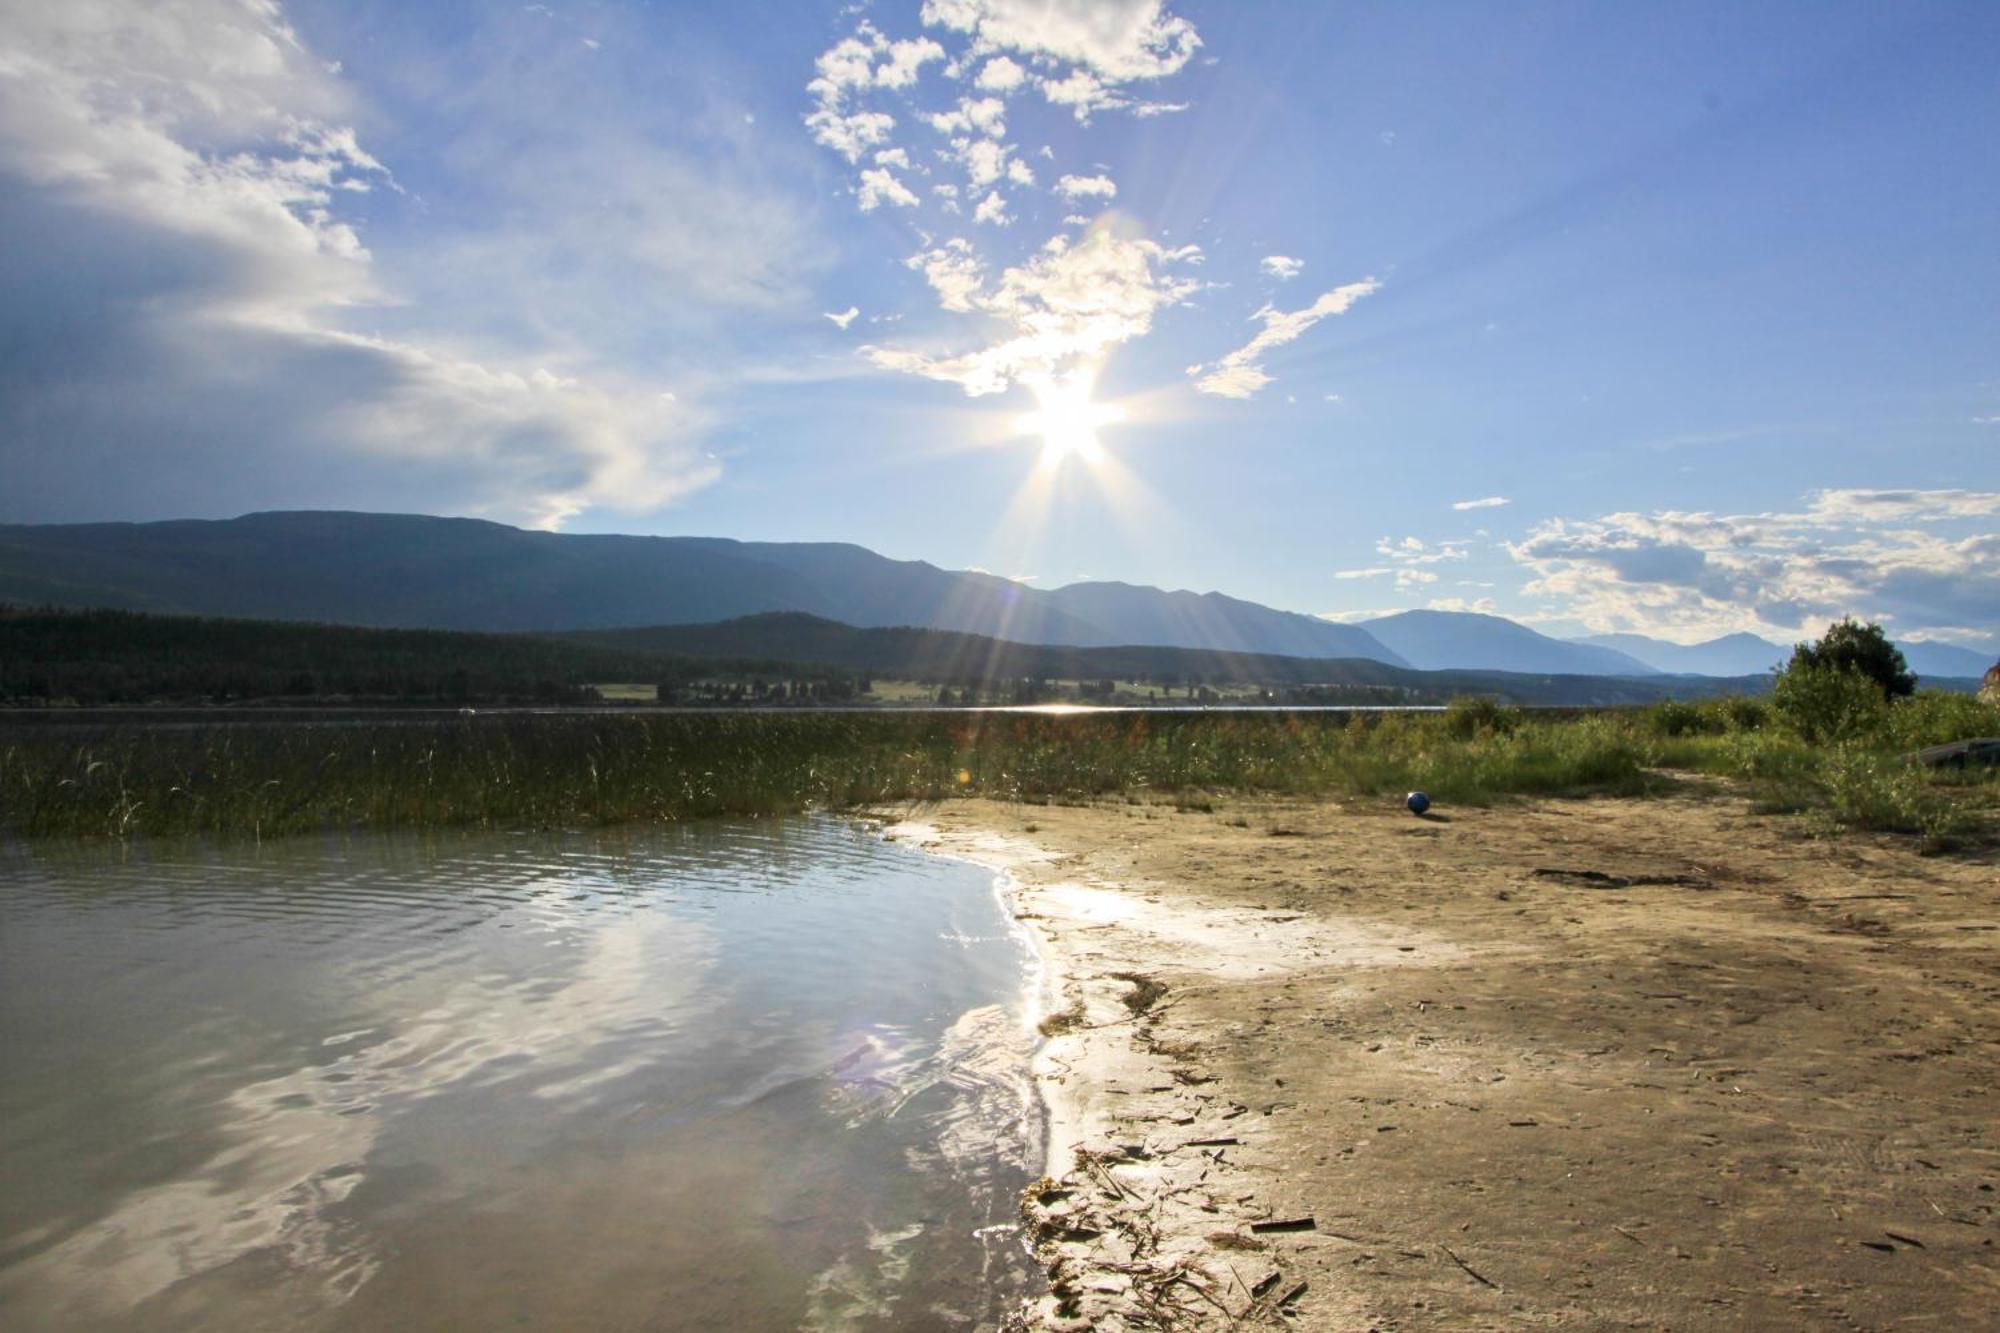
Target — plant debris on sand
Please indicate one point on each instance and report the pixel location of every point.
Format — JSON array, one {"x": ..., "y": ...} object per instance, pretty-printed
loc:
[{"x": 1603, "y": 1063}]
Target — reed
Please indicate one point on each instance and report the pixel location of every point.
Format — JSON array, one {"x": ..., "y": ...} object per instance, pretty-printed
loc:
[{"x": 557, "y": 770}]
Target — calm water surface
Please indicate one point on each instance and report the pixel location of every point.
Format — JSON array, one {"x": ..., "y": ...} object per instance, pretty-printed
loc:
[{"x": 754, "y": 1075}]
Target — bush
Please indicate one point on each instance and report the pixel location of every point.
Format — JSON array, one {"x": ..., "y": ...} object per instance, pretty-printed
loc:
[
  {"x": 1823, "y": 704},
  {"x": 1936, "y": 717},
  {"x": 1675, "y": 718},
  {"x": 1864, "y": 649},
  {"x": 1744, "y": 713},
  {"x": 1471, "y": 716},
  {"x": 1863, "y": 789}
]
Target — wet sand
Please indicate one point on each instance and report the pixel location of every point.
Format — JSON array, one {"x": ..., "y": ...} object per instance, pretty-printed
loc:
[{"x": 1581, "y": 1064}]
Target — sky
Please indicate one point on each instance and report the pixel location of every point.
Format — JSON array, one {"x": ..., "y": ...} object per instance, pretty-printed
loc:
[{"x": 1668, "y": 317}]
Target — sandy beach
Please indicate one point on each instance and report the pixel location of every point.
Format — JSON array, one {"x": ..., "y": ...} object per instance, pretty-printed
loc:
[{"x": 1584, "y": 1064}]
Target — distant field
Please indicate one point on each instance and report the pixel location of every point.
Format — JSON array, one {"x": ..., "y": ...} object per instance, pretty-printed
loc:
[{"x": 627, "y": 694}]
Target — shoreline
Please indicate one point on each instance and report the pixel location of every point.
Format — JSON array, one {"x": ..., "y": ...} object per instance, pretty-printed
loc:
[
  {"x": 1129, "y": 1131},
  {"x": 1312, "y": 1063}
]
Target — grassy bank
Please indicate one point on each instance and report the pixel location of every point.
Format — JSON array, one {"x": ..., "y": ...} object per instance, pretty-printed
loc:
[{"x": 522, "y": 771}]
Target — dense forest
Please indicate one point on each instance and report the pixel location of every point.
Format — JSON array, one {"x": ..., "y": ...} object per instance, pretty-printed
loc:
[{"x": 122, "y": 657}]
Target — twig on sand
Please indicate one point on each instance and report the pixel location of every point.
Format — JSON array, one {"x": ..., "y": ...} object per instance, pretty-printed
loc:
[
  {"x": 1472, "y": 1272},
  {"x": 1284, "y": 1224}
]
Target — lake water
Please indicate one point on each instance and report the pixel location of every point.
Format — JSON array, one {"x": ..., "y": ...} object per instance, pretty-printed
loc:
[{"x": 761, "y": 1075}]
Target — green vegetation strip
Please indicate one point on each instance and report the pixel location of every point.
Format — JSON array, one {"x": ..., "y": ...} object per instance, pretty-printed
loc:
[{"x": 556, "y": 770}]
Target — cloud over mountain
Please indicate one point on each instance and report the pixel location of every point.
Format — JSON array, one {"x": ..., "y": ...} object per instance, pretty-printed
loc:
[
  {"x": 1912, "y": 559},
  {"x": 237, "y": 337}
]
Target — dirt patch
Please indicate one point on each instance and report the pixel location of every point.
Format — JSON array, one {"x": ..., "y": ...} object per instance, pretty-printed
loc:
[{"x": 1586, "y": 1064}]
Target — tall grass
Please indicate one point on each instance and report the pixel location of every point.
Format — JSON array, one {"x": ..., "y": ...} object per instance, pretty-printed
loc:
[
  {"x": 557, "y": 770},
  {"x": 1859, "y": 776},
  {"x": 547, "y": 771}
]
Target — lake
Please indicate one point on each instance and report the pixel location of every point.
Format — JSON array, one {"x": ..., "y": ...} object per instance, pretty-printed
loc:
[{"x": 755, "y": 1074}]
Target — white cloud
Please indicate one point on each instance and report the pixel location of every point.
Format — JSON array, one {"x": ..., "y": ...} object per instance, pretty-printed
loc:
[
  {"x": 846, "y": 64},
  {"x": 905, "y": 60},
  {"x": 1282, "y": 267},
  {"x": 992, "y": 211},
  {"x": 985, "y": 160},
  {"x": 1122, "y": 40},
  {"x": 1915, "y": 560},
  {"x": 847, "y": 69},
  {"x": 880, "y": 186},
  {"x": 954, "y": 272},
  {"x": 1407, "y": 559},
  {"x": 1921, "y": 506},
  {"x": 1489, "y": 502},
  {"x": 987, "y": 115},
  {"x": 851, "y": 64},
  {"x": 1067, "y": 307},
  {"x": 1083, "y": 93},
  {"x": 195, "y": 159},
  {"x": 1241, "y": 373},
  {"x": 844, "y": 318},
  {"x": 849, "y": 133},
  {"x": 1000, "y": 75},
  {"x": 1414, "y": 551},
  {"x": 1086, "y": 187}
]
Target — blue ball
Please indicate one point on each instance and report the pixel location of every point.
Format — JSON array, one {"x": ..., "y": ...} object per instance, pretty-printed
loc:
[{"x": 1418, "y": 802}]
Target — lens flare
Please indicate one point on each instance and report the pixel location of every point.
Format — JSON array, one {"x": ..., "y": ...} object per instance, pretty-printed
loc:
[{"x": 1068, "y": 420}]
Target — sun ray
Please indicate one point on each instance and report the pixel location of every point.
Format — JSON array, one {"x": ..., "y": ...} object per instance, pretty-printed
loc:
[{"x": 1067, "y": 418}]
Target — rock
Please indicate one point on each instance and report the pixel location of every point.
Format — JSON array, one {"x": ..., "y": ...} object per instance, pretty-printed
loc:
[{"x": 1960, "y": 754}]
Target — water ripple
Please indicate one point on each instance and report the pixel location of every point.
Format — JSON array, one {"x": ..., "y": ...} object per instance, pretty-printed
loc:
[{"x": 353, "y": 1081}]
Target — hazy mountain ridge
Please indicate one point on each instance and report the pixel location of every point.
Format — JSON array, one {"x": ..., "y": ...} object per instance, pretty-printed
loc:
[
  {"x": 414, "y": 571},
  {"x": 421, "y": 572},
  {"x": 1442, "y": 640},
  {"x": 1730, "y": 655},
  {"x": 1742, "y": 654}
]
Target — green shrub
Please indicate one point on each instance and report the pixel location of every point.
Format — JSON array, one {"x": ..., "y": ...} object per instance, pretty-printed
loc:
[
  {"x": 1673, "y": 717},
  {"x": 1471, "y": 716},
  {"x": 1863, "y": 649},
  {"x": 1824, "y": 705},
  {"x": 1936, "y": 717},
  {"x": 1742, "y": 712},
  {"x": 1867, "y": 789}
]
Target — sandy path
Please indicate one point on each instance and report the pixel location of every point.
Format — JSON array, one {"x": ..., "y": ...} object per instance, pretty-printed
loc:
[{"x": 1746, "y": 1082}]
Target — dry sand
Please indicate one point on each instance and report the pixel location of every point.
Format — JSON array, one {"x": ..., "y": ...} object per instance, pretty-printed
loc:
[{"x": 1714, "y": 1075}]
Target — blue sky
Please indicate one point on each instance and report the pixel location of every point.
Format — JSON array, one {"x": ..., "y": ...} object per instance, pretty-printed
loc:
[{"x": 1698, "y": 299}]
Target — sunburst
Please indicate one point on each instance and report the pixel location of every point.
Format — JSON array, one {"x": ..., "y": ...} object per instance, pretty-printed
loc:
[{"x": 1067, "y": 419}]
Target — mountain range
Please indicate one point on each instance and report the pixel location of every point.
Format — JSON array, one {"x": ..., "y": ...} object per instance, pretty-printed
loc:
[
  {"x": 417, "y": 571},
  {"x": 413, "y": 571},
  {"x": 1746, "y": 654}
]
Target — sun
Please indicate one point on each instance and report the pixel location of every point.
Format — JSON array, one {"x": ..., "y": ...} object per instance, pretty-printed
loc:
[{"x": 1068, "y": 420}]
